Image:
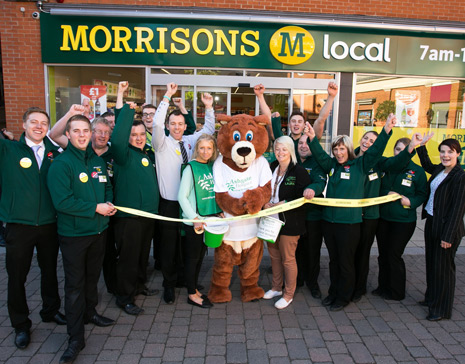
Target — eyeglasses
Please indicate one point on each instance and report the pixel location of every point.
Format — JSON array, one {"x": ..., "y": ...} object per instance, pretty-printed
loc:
[
  {"x": 151, "y": 114},
  {"x": 101, "y": 133}
]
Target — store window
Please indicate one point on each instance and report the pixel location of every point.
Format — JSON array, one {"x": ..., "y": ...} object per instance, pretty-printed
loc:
[
  {"x": 420, "y": 105},
  {"x": 65, "y": 86}
]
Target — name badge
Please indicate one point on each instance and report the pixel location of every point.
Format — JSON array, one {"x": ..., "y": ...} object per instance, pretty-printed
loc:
[
  {"x": 345, "y": 175},
  {"x": 406, "y": 182},
  {"x": 373, "y": 176},
  {"x": 102, "y": 179}
]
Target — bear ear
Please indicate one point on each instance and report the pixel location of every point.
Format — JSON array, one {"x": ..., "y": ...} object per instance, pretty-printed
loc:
[
  {"x": 262, "y": 120},
  {"x": 223, "y": 119}
]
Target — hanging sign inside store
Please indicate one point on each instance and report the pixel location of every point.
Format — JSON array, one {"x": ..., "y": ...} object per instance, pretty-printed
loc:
[
  {"x": 94, "y": 98},
  {"x": 158, "y": 42}
]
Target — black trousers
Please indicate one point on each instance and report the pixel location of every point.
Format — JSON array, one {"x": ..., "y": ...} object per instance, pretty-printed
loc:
[
  {"x": 440, "y": 273},
  {"x": 82, "y": 263},
  {"x": 156, "y": 241},
  {"x": 20, "y": 243},
  {"x": 170, "y": 243},
  {"x": 308, "y": 254},
  {"x": 194, "y": 251},
  {"x": 362, "y": 255},
  {"x": 342, "y": 241},
  {"x": 133, "y": 239},
  {"x": 109, "y": 261},
  {"x": 392, "y": 238}
]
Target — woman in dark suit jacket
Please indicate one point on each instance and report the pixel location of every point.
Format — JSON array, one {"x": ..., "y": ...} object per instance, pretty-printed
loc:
[{"x": 444, "y": 226}]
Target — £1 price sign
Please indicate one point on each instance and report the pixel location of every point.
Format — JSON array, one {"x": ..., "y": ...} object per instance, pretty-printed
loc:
[{"x": 94, "y": 99}]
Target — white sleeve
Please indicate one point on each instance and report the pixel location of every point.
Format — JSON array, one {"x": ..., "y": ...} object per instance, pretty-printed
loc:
[
  {"x": 208, "y": 128},
  {"x": 158, "y": 135},
  {"x": 185, "y": 189}
]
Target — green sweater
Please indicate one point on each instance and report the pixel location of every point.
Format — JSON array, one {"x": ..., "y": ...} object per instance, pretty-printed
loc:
[
  {"x": 411, "y": 183},
  {"x": 78, "y": 181},
  {"x": 25, "y": 197},
  {"x": 373, "y": 178},
  {"x": 318, "y": 185},
  {"x": 135, "y": 181},
  {"x": 347, "y": 181}
]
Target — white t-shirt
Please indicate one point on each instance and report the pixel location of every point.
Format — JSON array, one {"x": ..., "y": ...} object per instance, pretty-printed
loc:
[{"x": 236, "y": 183}]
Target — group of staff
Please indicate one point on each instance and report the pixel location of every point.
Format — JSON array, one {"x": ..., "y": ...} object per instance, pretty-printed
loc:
[{"x": 51, "y": 200}]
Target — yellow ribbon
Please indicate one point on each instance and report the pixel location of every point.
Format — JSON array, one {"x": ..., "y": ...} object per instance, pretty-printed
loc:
[{"x": 333, "y": 202}]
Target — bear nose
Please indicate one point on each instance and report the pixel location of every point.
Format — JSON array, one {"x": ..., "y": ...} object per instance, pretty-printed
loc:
[{"x": 244, "y": 151}]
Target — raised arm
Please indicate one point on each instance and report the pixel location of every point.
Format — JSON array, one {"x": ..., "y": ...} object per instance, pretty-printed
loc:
[
  {"x": 319, "y": 124},
  {"x": 57, "y": 133},
  {"x": 425, "y": 161},
  {"x": 397, "y": 163},
  {"x": 158, "y": 135},
  {"x": 209, "y": 126},
  {"x": 322, "y": 158},
  {"x": 259, "y": 91},
  {"x": 190, "y": 122}
]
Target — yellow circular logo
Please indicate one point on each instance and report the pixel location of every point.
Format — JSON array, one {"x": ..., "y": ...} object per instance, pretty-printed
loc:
[
  {"x": 25, "y": 162},
  {"x": 292, "y": 45},
  {"x": 83, "y": 177},
  {"x": 145, "y": 162}
]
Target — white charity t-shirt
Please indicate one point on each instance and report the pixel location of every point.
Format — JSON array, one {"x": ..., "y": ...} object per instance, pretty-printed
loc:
[{"x": 236, "y": 183}]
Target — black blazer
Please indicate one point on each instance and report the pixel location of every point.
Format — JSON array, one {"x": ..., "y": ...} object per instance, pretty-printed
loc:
[
  {"x": 449, "y": 200},
  {"x": 292, "y": 187}
]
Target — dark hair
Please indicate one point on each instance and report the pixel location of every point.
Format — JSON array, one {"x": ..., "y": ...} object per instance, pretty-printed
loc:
[
  {"x": 405, "y": 141},
  {"x": 148, "y": 106},
  {"x": 32, "y": 110},
  {"x": 107, "y": 113},
  {"x": 372, "y": 132},
  {"x": 175, "y": 112},
  {"x": 77, "y": 118},
  {"x": 138, "y": 122},
  {"x": 452, "y": 144},
  {"x": 297, "y": 112}
]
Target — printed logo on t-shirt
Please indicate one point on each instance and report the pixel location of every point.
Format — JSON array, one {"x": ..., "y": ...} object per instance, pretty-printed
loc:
[
  {"x": 240, "y": 184},
  {"x": 206, "y": 182}
]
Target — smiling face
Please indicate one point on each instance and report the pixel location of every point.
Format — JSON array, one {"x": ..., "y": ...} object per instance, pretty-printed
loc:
[
  {"x": 296, "y": 126},
  {"x": 341, "y": 153},
  {"x": 100, "y": 136},
  {"x": 448, "y": 157},
  {"x": 79, "y": 134},
  {"x": 367, "y": 141},
  {"x": 303, "y": 148},
  {"x": 138, "y": 137},
  {"x": 177, "y": 126},
  {"x": 204, "y": 151},
  {"x": 147, "y": 117},
  {"x": 282, "y": 154},
  {"x": 36, "y": 127}
]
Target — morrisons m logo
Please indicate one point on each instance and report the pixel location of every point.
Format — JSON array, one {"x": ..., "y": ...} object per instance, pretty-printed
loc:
[{"x": 292, "y": 45}]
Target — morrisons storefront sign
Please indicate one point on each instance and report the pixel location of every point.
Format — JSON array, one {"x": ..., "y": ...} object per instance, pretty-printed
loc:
[{"x": 92, "y": 40}]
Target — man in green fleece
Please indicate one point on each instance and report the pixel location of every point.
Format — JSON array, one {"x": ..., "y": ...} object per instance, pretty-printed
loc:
[
  {"x": 136, "y": 186},
  {"x": 26, "y": 206},
  {"x": 80, "y": 187}
]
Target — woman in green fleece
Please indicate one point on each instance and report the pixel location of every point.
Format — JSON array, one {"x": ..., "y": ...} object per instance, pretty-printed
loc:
[
  {"x": 341, "y": 225},
  {"x": 397, "y": 224}
]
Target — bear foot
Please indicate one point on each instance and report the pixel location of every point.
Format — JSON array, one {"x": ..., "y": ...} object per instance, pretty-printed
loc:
[
  {"x": 251, "y": 293},
  {"x": 219, "y": 294}
]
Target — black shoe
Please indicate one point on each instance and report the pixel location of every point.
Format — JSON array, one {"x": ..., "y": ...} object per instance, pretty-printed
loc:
[
  {"x": 205, "y": 303},
  {"x": 315, "y": 292},
  {"x": 357, "y": 298},
  {"x": 131, "y": 309},
  {"x": 430, "y": 317},
  {"x": 149, "y": 292},
  {"x": 71, "y": 352},
  {"x": 168, "y": 295},
  {"x": 22, "y": 339},
  {"x": 328, "y": 301},
  {"x": 336, "y": 307},
  {"x": 101, "y": 321},
  {"x": 423, "y": 303},
  {"x": 59, "y": 319}
]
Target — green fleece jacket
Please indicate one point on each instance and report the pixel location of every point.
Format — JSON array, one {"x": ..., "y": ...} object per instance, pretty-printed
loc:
[
  {"x": 346, "y": 181},
  {"x": 135, "y": 181},
  {"x": 25, "y": 197},
  {"x": 411, "y": 183},
  {"x": 78, "y": 181}
]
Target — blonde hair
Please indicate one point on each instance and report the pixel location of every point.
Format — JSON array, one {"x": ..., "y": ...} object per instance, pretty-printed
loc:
[
  {"x": 209, "y": 138},
  {"x": 346, "y": 142},
  {"x": 289, "y": 144}
]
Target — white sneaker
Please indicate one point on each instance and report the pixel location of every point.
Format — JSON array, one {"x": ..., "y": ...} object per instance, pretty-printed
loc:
[
  {"x": 272, "y": 294},
  {"x": 282, "y": 303}
]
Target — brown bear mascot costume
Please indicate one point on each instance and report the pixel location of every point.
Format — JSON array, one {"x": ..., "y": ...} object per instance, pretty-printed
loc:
[{"x": 243, "y": 185}]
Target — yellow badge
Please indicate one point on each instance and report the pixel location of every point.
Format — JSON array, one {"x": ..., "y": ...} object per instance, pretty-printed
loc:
[
  {"x": 25, "y": 162},
  {"x": 331, "y": 172},
  {"x": 83, "y": 177},
  {"x": 178, "y": 152},
  {"x": 145, "y": 162}
]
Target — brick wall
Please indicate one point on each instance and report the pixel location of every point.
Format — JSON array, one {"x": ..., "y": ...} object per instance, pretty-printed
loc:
[{"x": 20, "y": 35}]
